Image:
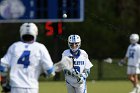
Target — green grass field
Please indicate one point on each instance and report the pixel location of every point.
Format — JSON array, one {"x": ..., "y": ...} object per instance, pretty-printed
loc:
[{"x": 92, "y": 87}]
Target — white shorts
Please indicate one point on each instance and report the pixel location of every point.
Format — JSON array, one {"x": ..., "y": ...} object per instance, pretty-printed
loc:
[
  {"x": 24, "y": 90},
  {"x": 133, "y": 70}
]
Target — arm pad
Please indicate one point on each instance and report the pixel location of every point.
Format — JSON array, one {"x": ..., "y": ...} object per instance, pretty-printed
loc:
[
  {"x": 3, "y": 70},
  {"x": 50, "y": 73}
]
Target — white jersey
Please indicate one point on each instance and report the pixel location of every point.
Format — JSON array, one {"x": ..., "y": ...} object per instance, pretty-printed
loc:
[
  {"x": 133, "y": 54},
  {"x": 26, "y": 63},
  {"x": 80, "y": 64}
]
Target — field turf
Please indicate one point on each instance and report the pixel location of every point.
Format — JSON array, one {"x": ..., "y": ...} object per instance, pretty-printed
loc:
[{"x": 92, "y": 87}]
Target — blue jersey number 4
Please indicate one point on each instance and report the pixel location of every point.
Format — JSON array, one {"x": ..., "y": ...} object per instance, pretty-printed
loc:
[
  {"x": 24, "y": 59},
  {"x": 131, "y": 53}
]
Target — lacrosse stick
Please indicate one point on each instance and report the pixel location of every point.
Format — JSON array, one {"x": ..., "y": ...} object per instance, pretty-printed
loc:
[
  {"x": 65, "y": 63},
  {"x": 110, "y": 61},
  {"x": 76, "y": 73},
  {"x": 119, "y": 63}
]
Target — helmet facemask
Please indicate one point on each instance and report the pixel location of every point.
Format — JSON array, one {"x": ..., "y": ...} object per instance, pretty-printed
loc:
[
  {"x": 74, "y": 46},
  {"x": 27, "y": 38},
  {"x": 74, "y": 42}
]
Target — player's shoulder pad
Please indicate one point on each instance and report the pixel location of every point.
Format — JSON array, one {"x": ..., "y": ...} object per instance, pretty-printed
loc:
[
  {"x": 84, "y": 53},
  {"x": 138, "y": 46},
  {"x": 13, "y": 46},
  {"x": 39, "y": 45},
  {"x": 66, "y": 52}
]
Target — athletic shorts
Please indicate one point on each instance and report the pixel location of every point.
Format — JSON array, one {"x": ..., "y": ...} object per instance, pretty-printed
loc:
[{"x": 133, "y": 70}]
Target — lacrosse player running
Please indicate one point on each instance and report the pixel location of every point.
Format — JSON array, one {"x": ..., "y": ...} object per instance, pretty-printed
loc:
[
  {"x": 133, "y": 57},
  {"x": 25, "y": 60},
  {"x": 76, "y": 77}
]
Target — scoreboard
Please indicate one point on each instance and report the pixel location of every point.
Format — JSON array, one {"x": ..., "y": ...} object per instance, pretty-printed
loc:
[{"x": 41, "y": 10}]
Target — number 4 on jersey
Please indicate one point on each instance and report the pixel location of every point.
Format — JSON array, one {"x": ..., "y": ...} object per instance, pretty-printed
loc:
[{"x": 24, "y": 59}]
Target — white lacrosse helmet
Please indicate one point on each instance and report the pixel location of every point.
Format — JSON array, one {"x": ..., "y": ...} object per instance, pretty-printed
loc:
[
  {"x": 74, "y": 42},
  {"x": 28, "y": 29},
  {"x": 134, "y": 38}
]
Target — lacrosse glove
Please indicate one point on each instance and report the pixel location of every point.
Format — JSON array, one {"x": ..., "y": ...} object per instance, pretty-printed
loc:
[
  {"x": 5, "y": 85},
  {"x": 67, "y": 72},
  {"x": 6, "y": 88},
  {"x": 79, "y": 76},
  {"x": 121, "y": 62},
  {"x": 80, "y": 80}
]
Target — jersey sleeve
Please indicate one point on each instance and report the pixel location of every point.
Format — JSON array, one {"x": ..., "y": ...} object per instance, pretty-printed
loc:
[
  {"x": 5, "y": 60},
  {"x": 138, "y": 52},
  {"x": 46, "y": 60},
  {"x": 88, "y": 64},
  {"x": 127, "y": 52},
  {"x": 65, "y": 53}
]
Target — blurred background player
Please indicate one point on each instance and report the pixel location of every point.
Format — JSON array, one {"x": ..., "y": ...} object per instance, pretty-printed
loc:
[
  {"x": 133, "y": 58},
  {"x": 25, "y": 60},
  {"x": 76, "y": 77}
]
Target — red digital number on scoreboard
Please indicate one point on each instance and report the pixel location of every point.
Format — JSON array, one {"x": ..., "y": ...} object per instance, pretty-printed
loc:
[{"x": 52, "y": 28}]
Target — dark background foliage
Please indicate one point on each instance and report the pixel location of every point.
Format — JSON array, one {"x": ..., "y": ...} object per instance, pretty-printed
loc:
[{"x": 105, "y": 30}]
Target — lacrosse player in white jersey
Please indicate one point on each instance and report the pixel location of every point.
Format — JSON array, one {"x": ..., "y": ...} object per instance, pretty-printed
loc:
[
  {"x": 133, "y": 58},
  {"x": 25, "y": 60},
  {"x": 76, "y": 77}
]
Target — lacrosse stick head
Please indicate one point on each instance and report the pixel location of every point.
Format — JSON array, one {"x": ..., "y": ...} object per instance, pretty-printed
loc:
[
  {"x": 108, "y": 60},
  {"x": 65, "y": 63}
]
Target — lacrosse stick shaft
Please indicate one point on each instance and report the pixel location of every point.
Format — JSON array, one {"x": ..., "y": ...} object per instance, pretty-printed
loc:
[{"x": 117, "y": 63}]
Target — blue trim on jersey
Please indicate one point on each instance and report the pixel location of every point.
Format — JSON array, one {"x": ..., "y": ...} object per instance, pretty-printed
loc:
[
  {"x": 49, "y": 71},
  {"x": 132, "y": 45},
  {"x": 88, "y": 71},
  {"x": 75, "y": 54},
  {"x": 67, "y": 82},
  {"x": 2, "y": 68},
  {"x": 85, "y": 87}
]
